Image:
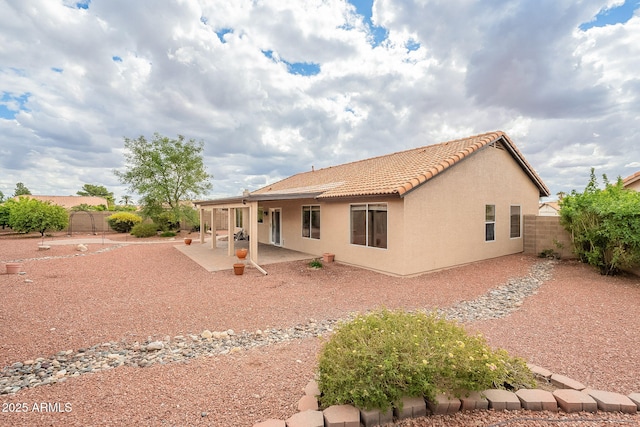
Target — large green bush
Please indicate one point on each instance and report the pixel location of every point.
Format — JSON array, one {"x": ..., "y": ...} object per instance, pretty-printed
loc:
[
  {"x": 27, "y": 215},
  {"x": 146, "y": 229},
  {"x": 604, "y": 225},
  {"x": 375, "y": 359},
  {"x": 123, "y": 222}
]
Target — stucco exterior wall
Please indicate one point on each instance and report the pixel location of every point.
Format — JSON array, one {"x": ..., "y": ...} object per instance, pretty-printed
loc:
[
  {"x": 335, "y": 234},
  {"x": 440, "y": 224},
  {"x": 445, "y": 218},
  {"x": 634, "y": 186}
]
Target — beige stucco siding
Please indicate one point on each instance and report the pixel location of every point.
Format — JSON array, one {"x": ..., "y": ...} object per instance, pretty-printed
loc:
[
  {"x": 335, "y": 232},
  {"x": 445, "y": 217},
  {"x": 634, "y": 186},
  {"x": 438, "y": 225}
]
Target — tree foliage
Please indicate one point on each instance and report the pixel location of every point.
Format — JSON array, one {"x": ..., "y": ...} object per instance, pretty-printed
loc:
[
  {"x": 165, "y": 171},
  {"x": 27, "y": 215},
  {"x": 97, "y": 191},
  {"x": 21, "y": 190},
  {"x": 604, "y": 225},
  {"x": 4, "y": 215}
]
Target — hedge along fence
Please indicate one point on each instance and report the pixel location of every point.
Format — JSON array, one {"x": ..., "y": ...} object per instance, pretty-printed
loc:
[{"x": 542, "y": 233}]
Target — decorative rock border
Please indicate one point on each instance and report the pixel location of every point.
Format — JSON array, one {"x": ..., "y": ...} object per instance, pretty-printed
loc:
[{"x": 565, "y": 398}]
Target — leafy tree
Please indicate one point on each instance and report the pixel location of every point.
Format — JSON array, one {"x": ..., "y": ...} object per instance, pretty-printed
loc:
[
  {"x": 21, "y": 190},
  {"x": 97, "y": 191},
  {"x": 27, "y": 215},
  {"x": 4, "y": 215},
  {"x": 83, "y": 207},
  {"x": 126, "y": 199},
  {"x": 165, "y": 171},
  {"x": 1, "y": 197},
  {"x": 604, "y": 225}
]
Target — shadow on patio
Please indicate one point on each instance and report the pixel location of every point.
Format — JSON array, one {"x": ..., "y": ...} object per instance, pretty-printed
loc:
[{"x": 216, "y": 259}]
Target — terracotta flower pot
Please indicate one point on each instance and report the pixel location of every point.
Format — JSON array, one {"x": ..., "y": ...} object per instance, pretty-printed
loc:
[
  {"x": 187, "y": 241},
  {"x": 13, "y": 267},
  {"x": 328, "y": 257},
  {"x": 242, "y": 253},
  {"x": 238, "y": 269}
]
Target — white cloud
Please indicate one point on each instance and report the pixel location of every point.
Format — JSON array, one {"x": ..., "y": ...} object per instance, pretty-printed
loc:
[{"x": 123, "y": 69}]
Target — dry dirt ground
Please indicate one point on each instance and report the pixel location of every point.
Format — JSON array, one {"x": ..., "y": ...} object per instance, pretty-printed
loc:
[{"x": 579, "y": 324}]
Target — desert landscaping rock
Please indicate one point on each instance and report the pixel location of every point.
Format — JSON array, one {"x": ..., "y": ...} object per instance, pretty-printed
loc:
[{"x": 498, "y": 302}]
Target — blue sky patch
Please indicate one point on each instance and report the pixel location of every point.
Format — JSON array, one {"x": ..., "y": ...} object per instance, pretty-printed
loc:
[
  {"x": 615, "y": 15},
  {"x": 7, "y": 105},
  {"x": 57, "y": 70},
  {"x": 303, "y": 68},
  {"x": 83, "y": 4},
  {"x": 412, "y": 45},
  {"x": 364, "y": 8},
  {"x": 222, "y": 32},
  {"x": 116, "y": 58},
  {"x": 297, "y": 68}
]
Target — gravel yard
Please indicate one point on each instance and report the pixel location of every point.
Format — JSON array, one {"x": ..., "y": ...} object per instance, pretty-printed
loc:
[{"x": 579, "y": 324}]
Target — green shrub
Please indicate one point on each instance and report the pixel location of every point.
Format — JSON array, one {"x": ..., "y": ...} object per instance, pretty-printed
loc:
[
  {"x": 315, "y": 263},
  {"x": 167, "y": 220},
  {"x": 375, "y": 359},
  {"x": 123, "y": 222},
  {"x": 604, "y": 225},
  {"x": 147, "y": 229},
  {"x": 168, "y": 234}
]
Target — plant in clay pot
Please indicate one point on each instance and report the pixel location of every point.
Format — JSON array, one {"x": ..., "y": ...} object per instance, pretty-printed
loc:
[{"x": 242, "y": 253}]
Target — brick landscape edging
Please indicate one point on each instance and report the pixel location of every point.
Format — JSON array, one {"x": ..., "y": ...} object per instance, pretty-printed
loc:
[{"x": 569, "y": 396}]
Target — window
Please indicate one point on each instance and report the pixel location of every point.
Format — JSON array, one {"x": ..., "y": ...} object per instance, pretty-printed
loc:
[
  {"x": 311, "y": 222},
  {"x": 260, "y": 215},
  {"x": 515, "y": 221},
  {"x": 369, "y": 225},
  {"x": 490, "y": 223}
]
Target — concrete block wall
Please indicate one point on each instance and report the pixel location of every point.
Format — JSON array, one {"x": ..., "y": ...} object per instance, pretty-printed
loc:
[{"x": 543, "y": 232}]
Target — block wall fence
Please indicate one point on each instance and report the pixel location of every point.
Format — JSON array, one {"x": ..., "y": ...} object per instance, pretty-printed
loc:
[
  {"x": 80, "y": 221},
  {"x": 545, "y": 232}
]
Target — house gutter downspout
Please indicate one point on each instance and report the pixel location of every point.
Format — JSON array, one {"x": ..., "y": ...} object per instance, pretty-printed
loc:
[{"x": 260, "y": 269}]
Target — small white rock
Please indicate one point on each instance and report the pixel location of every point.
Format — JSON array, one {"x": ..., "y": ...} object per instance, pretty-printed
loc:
[{"x": 206, "y": 334}]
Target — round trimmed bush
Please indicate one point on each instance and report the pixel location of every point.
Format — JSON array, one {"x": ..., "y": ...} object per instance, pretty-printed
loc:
[
  {"x": 123, "y": 222},
  {"x": 376, "y": 359}
]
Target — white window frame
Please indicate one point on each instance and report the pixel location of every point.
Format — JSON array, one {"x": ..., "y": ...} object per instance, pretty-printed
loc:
[
  {"x": 312, "y": 208},
  {"x": 367, "y": 243},
  {"x": 488, "y": 222},
  {"x": 519, "y": 236}
]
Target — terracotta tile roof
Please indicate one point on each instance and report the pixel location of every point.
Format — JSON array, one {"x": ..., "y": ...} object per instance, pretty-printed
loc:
[
  {"x": 394, "y": 174},
  {"x": 71, "y": 201},
  {"x": 631, "y": 179}
]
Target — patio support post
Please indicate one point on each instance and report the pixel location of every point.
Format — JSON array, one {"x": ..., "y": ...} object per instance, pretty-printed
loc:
[
  {"x": 202, "y": 224},
  {"x": 231, "y": 230},
  {"x": 253, "y": 231},
  {"x": 214, "y": 240}
]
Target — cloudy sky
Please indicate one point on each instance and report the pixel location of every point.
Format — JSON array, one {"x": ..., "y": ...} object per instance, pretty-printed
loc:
[{"x": 274, "y": 87}]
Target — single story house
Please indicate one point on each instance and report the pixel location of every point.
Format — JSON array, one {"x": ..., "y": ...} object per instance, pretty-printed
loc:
[
  {"x": 632, "y": 182},
  {"x": 404, "y": 213},
  {"x": 549, "y": 209}
]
